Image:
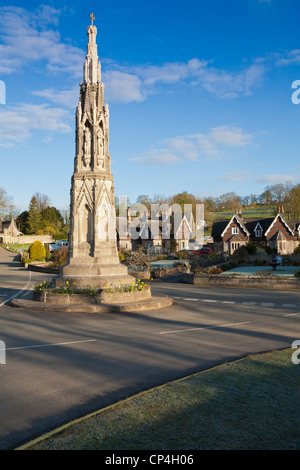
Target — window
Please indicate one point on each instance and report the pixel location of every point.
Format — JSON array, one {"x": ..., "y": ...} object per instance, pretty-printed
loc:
[
  {"x": 235, "y": 230},
  {"x": 234, "y": 246},
  {"x": 258, "y": 231}
]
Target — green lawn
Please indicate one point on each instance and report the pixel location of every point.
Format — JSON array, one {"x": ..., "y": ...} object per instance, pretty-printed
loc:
[
  {"x": 18, "y": 247},
  {"x": 249, "y": 404}
]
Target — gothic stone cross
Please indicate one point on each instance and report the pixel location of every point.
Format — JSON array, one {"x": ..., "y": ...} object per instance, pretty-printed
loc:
[{"x": 92, "y": 18}]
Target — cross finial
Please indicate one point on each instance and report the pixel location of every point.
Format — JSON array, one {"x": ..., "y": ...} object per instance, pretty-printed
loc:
[{"x": 92, "y": 18}]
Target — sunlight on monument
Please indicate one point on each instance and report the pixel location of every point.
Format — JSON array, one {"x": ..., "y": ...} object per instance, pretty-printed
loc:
[{"x": 93, "y": 256}]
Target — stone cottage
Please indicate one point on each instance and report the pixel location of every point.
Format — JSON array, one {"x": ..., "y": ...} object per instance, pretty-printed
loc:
[{"x": 275, "y": 232}]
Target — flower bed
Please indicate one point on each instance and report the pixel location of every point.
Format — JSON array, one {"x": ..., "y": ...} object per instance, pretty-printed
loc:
[{"x": 69, "y": 293}]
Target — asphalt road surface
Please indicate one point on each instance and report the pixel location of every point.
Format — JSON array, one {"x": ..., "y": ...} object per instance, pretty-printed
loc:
[{"x": 60, "y": 366}]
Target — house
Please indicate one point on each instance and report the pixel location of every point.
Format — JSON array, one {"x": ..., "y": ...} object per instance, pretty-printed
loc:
[
  {"x": 9, "y": 233},
  {"x": 274, "y": 232},
  {"x": 156, "y": 234},
  {"x": 229, "y": 236},
  {"x": 8, "y": 228}
]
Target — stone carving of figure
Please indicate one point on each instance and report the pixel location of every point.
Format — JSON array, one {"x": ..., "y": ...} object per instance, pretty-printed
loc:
[
  {"x": 100, "y": 150},
  {"x": 87, "y": 148}
]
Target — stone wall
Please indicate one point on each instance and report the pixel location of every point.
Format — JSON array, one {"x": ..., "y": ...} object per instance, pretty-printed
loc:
[
  {"x": 260, "y": 282},
  {"x": 23, "y": 239},
  {"x": 166, "y": 271}
]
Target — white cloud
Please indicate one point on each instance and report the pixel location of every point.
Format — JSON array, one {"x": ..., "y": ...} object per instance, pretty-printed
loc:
[
  {"x": 32, "y": 38},
  {"x": 271, "y": 179},
  {"x": 148, "y": 79},
  {"x": 26, "y": 38},
  {"x": 122, "y": 86},
  {"x": 289, "y": 57},
  {"x": 68, "y": 97},
  {"x": 193, "y": 147},
  {"x": 18, "y": 123}
]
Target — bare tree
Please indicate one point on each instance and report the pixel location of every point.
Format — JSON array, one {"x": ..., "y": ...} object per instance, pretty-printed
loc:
[
  {"x": 6, "y": 205},
  {"x": 43, "y": 201}
]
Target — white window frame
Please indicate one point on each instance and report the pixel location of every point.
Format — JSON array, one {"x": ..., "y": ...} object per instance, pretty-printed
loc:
[
  {"x": 235, "y": 230},
  {"x": 258, "y": 231}
]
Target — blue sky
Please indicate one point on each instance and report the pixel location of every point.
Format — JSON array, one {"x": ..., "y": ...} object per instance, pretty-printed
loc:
[{"x": 199, "y": 94}]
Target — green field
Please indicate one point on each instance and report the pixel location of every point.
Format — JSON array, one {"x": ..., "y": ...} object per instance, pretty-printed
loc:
[
  {"x": 247, "y": 213},
  {"x": 252, "y": 403}
]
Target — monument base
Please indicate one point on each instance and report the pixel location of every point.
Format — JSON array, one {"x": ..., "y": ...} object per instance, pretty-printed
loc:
[{"x": 93, "y": 274}]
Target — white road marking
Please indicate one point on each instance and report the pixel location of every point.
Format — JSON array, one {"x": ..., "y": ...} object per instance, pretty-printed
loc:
[
  {"x": 194, "y": 300},
  {"x": 267, "y": 304},
  {"x": 248, "y": 303},
  {"x": 291, "y": 314},
  {"x": 209, "y": 300},
  {"x": 18, "y": 293},
  {"x": 228, "y": 302},
  {"x": 202, "y": 328},
  {"x": 289, "y": 305},
  {"x": 51, "y": 344}
]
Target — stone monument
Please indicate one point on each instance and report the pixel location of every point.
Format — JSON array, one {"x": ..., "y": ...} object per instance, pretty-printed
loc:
[{"x": 93, "y": 257}]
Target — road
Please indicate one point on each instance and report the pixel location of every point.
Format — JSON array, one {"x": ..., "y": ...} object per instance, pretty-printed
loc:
[{"x": 60, "y": 366}]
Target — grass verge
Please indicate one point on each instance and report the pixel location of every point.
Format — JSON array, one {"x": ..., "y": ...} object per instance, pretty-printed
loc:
[{"x": 248, "y": 404}]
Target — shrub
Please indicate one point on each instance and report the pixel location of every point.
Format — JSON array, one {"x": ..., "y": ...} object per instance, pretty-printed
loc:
[
  {"x": 251, "y": 248},
  {"x": 297, "y": 250},
  {"x": 233, "y": 263},
  {"x": 37, "y": 251},
  {"x": 297, "y": 274},
  {"x": 268, "y": 250},
  {"x": 225, "y": 266},
  {"x": 214, "y": 270},
  {"x": 241, "y": 254},
  {"x": 59, "y": 257}
]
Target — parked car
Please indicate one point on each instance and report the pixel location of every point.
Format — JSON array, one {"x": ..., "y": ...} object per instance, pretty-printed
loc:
[
  {"x": 52, "y": 247},
  {"x": 205, "y": 250},
  {"x": 59, "y": 244}
]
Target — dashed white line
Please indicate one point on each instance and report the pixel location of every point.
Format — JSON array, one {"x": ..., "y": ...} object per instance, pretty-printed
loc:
[
  {"x": 263, "y": 304},
  {"x": 51, "y": 344},
  {"x": 291, "y": 314},
  {"x": 202, "y": 328}
]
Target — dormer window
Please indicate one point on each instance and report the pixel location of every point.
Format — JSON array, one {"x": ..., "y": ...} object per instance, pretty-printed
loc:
[
  {"x": 258, "y": 231},
  {"x": 235, "y": 230}
]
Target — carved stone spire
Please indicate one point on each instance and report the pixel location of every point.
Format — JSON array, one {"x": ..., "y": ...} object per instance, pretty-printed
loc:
[
  {"x": 92, "y": 68},
  {"x": 93, "y": 257}
]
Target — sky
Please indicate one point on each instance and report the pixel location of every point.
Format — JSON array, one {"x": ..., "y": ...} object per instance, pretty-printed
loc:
[{"x": 200, "y": 95}]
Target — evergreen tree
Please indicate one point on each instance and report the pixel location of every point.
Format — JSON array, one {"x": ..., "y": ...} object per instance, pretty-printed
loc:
[{"x": 34, "y": 216}]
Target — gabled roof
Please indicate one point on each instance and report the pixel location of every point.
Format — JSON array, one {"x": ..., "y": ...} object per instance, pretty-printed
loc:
[
  {"x": 283, "y": 221},
  {"x": 240, "y": 223}
]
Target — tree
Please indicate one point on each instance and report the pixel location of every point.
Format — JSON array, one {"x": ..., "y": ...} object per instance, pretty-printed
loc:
[
  {"x": 229, "y": 201},
  {"x": 6, "y": 205},
  {"x": 22, "y": 222},
  {"x": 34, "y": 216},
  {"x": 185, "y": 199},
  {"x": 51, "y": 217},
  {"x": 43, "y": 201}
]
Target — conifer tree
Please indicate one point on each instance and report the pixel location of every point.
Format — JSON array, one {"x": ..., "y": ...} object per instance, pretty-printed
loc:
[{"x": 34, "y": 216}]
